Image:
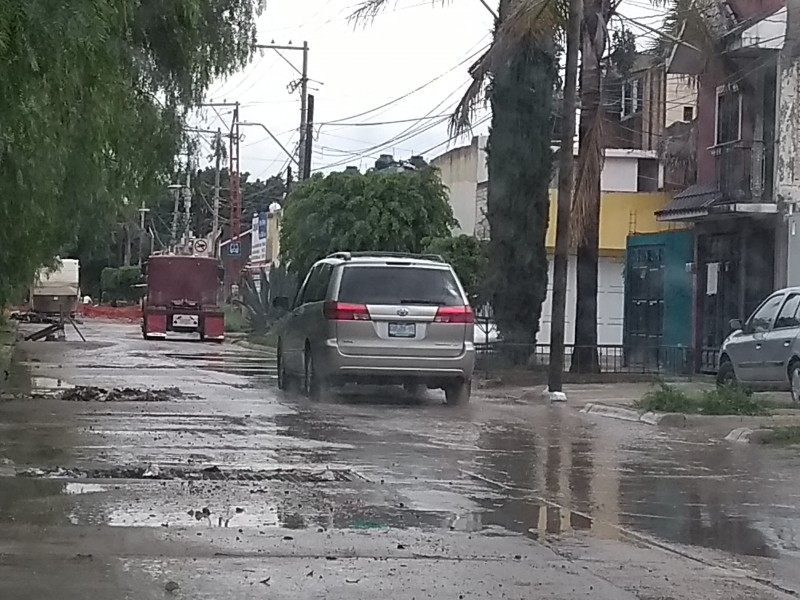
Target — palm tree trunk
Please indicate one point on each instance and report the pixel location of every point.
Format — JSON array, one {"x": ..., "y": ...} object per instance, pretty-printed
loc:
[{"x": 587, "y": 197}]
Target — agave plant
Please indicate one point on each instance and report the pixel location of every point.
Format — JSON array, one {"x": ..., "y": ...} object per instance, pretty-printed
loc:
[{"x": 260, "y": 292}]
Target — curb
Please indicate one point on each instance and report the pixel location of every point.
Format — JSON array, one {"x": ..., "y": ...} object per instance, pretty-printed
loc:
[
  {"x": 244, "y": 343},
  {"x": 628, "y": 414},
  {"x": 746, "y": 435}
]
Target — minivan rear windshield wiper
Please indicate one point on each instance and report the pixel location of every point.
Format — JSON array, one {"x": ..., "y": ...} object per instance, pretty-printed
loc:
[{"x": 423, "y": 302}]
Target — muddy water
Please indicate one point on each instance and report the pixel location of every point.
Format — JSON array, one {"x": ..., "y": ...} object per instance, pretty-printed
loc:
[{"x": 492, "y": 468}]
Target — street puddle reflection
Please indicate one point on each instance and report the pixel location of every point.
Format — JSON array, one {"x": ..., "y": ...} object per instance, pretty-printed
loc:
[{"x": 566, "y": 474}]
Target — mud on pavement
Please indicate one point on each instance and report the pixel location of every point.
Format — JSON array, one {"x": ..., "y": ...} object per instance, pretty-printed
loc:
[{"x": 231, "y": 489}]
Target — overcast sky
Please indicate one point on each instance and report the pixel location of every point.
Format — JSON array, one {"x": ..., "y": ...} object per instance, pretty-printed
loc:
[{"x": 357, "y": 69}]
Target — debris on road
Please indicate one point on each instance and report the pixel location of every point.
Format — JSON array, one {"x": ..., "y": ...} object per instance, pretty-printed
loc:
[
  {"x": 152, "y": 472},
  {"x": 98, "y": 394},
  {"x": 172, "y": 587}
]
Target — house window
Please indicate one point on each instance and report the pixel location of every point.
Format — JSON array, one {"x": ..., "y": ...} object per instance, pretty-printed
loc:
[
  {"x": 729, "y": 116},
  {"x": 632, "y": 98},
  {"x": 688, "y": 114}
]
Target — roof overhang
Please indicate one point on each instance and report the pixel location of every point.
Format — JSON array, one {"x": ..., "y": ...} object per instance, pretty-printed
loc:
[
  {"x": 685, "y": 59},
  {"x": 691, "y": 204}
]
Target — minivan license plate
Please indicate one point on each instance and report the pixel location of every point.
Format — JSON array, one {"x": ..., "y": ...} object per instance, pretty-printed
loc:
[{"x": 403, "y": 330}]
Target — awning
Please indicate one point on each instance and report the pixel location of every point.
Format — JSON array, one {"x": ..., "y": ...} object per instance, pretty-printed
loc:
[{"x": 693, "y": 202}]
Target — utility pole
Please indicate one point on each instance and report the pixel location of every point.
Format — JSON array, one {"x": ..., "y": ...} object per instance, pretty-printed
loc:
[
  {"x": 304, "y": 113},
  {"x": 303, "y": 84},
  {"x": 142, "y": 212},
  {"x": 187, "y": 202},
  {"x": 218, "y": 159},
  {"x": 174, "y": 230},
  {"x": 566, "y": 162},
  {"x": 309, "y": 137},
  {"x": 236, "y": 199}
]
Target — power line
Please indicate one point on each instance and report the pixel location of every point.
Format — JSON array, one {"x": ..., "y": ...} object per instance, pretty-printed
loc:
[{"x": 412, "y": 92}]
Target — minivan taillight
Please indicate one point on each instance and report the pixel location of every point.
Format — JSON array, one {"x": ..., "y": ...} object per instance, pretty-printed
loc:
[
  {"x": 454, "y": 314},
  {"x": 343, "y": 311}
]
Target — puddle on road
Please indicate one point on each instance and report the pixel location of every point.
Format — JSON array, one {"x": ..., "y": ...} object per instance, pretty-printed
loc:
[
  {"x": 235, "y": 363},
  {"x": 549, "y": 474}
]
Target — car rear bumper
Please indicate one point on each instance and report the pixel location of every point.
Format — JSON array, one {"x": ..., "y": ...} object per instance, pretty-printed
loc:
[{"x": 394, "y": 369}]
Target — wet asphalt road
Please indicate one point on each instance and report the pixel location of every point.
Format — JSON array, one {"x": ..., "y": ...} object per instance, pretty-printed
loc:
[{"x": 252, "y": 493}]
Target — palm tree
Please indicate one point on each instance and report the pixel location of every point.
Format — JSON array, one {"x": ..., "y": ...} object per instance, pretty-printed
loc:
[{"x": 547, "y": 19}]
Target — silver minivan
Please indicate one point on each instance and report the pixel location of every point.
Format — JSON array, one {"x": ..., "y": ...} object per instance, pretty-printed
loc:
[
  {"x": 380, "y": 318},
  {"x": 764, "y": 353}
]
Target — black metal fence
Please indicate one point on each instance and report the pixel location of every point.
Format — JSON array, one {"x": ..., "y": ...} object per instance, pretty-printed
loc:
[{"x": 611, "y": 358}]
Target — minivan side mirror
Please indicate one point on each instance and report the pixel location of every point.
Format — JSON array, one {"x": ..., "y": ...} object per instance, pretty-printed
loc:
[
  {"x": 281, "y": 302},
  {"x": 735, "y": 324}
]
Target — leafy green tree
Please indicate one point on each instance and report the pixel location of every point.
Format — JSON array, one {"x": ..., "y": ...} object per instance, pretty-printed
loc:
[
  {"x": 469, "y": 257},
  {"x": 93, "y": 95},
  {"x": 376, "y": 211}
]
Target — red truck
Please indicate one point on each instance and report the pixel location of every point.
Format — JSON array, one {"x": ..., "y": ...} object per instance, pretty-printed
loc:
[{"x": 182, "y": 293}]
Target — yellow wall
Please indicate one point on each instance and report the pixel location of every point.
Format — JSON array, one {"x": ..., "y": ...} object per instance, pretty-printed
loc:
[{"x": 621, "y": 214}]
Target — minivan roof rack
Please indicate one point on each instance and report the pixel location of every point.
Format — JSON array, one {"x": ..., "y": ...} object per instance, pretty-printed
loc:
[{"x": 351, "y": 255}]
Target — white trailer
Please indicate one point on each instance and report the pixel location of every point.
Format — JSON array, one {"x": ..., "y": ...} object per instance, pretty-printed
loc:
[{"x": 57, "y": 291}]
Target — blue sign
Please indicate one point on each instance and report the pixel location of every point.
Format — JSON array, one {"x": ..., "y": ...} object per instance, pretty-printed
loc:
[
  {"x": 235, "y": 248},
  {"x": 262, "y": 226}
]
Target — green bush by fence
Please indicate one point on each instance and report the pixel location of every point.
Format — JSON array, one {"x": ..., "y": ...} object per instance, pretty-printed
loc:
[{"x": 119, "y": 284}]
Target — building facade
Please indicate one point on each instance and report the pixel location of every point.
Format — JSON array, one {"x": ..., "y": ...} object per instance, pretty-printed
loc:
[
  {"x": 629, "y": 200},
  {"x": 742, "y": 207}
]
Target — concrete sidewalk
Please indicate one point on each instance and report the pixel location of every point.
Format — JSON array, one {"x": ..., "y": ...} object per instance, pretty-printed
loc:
[{"x": 618, "y": 401}]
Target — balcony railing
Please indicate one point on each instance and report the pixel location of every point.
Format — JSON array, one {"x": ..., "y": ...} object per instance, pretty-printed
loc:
[{"x": 740, "y": 171}]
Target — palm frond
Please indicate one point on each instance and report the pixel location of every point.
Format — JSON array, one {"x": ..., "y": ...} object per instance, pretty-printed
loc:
[
  {"x": 521, "y": 23},
  {"x": 367, "y": 11}
]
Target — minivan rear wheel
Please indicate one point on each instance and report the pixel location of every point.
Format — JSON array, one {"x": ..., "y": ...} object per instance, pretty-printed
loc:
[
  {"x": 458, "y": 393},
  {"x": 282, "y": 375},
  {"x": 314, "y": 386}
]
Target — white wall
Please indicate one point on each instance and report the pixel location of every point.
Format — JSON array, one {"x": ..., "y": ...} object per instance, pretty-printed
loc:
[
  {"x": 458, "y": 169},
  {"x": 620, "y": 174},
  {"x": 680, "y": 93},
  {"x": 610, "y": 302}
]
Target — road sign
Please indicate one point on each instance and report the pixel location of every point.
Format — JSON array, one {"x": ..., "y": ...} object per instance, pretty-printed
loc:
[
  {"x": 200, "y": 246},
  {"x": 235, "y": 249}
]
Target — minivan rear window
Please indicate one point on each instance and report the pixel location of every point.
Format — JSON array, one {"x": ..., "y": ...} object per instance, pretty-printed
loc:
[{"x": 399, "y": 285}]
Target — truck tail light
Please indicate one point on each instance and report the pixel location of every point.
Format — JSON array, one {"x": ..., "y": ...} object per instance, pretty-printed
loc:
[
  {"x": 454, "y": 314},
  {"x": 343, "y": 311}
]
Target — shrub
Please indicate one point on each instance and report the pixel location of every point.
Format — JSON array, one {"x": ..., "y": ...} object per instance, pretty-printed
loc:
[
  {"x": 726, "y": 400},
  {"x": 666, "y": 398},
  {"x": 717, "y": 402},
  {"x": 119, "y": 284}
]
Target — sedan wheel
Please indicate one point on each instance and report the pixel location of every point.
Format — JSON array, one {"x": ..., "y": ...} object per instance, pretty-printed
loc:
[
  {"x": 794, "y": 379},
  {"x": 726, "y": 376}
]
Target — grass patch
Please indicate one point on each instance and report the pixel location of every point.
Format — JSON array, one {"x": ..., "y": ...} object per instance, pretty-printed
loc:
[
  {"x": 783, "y": 435},
  {"x": 235, "y": 321},
  {"x": 720, "y": 401}
]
